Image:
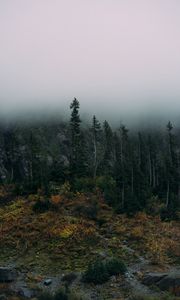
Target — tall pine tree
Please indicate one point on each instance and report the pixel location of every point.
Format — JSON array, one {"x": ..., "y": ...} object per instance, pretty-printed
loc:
[{"x": 77, "y": 155}]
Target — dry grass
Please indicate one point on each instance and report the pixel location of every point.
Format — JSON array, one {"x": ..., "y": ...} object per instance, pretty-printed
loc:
[{"x": 60, "y": 232}]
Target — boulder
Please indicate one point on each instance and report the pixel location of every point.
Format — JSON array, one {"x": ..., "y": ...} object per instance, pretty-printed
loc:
[
  {"x": 7, "y": 274},
  {"x": 47, "y": 281},
  {"x": 171, "y": 283},
  {"x": 164, "y": 281},
  {"x": 153, "y": 278}
]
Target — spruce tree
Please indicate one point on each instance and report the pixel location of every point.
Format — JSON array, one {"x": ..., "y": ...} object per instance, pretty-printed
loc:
[
  {"x": 109, "y": 156},
  {"x": 77, "y": 153},
  {"x": 96, "y": 129}
]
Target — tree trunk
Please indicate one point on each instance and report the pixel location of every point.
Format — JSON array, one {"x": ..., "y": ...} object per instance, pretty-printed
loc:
[
  {"x": 95, "y": 158},
  {"x": 132, "y": 181},
  {"x": 167, "y": 195},
  {"x": 123, "y": 196},
  {"x": 150, "y": 170},
  {"x": 154, "y": 174}
]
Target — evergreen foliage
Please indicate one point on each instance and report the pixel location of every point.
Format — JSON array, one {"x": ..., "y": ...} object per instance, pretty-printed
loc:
[
  {"x": 100, "y": 272},
  {"x": 116, "y": 266},
  {"x": 96, "y": 273},
  {"x": 77, "y": 141},
  {"x": 129, "y": 168}
]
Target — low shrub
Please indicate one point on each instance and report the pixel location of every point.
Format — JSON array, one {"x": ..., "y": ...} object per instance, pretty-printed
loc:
[
  {"x": 96, "y": 273},
  {"x": 116, "y": 266},
  {"x": 89, "y": 211},
  {"x": 84, "y": 184},
  {"x": 137, "y": 233},
  {"x": 100, "y": 272},
  {"x": 61, "y": 294},
  {"x": 168, "y": 214},
  {"x": 107, "y": 186},
  {"x": 45, "y": 296},
  {"x": 69, "y": 278},
  {"x": 41, "y": 206}
]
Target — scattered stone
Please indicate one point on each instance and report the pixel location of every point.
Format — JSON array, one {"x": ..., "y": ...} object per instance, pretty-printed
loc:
[
  {"x": 7, "y": 274},
  {"x": 113, "y": 278},
  {"x": 25, "y": 292},
  {"x": 128, "y": 249},
  {"x": 47, "y": 282},
  {"x": 139, "y": 274},
  {"x": 21, "y": 289}
]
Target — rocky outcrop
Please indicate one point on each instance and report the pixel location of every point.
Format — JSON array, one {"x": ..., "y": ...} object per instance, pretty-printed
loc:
[
  {"x": 153, "y": 278},
  {"x": 164, "y": 281}
]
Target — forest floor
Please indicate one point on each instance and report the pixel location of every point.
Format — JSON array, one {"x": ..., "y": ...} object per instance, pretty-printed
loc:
[{"x": 77, "y": 230}]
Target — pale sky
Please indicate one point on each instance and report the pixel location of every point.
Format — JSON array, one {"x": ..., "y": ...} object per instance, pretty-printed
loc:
[{"x": 120, "y": 56}]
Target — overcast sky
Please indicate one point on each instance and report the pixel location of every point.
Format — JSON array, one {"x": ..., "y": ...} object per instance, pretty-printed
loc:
[{"x": 118, "y": 56}]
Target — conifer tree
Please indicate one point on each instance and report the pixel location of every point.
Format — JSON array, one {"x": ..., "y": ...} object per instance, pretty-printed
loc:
[
  {"x": 96, "y": 129},
  {"x": 171, "y": 165},
  {"x": 124, "y": 159},
  {"x": 108, "y": 161},
  {"x": 76, "y": 155}
]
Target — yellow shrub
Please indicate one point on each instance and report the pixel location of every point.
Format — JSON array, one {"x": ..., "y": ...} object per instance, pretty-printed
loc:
[
  {"x": 137, "y": 232},
  {"x": 141, "y": 217},
  {"x": 157, "y": 248},
  {"x": 56, "y": 199}
]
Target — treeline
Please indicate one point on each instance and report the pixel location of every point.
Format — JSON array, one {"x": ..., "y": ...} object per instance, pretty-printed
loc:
[{"x": 132, "y": 170}]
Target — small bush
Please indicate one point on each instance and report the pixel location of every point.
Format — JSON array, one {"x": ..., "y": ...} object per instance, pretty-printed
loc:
[
  {"x": 84, "y": 184},
  {"x": 65, "y": 190},
  {"x": 101, "y": 221},
  {"x": 61, "y": 295},
  {"x": 41, "y": 206},
  {"x": 89, "y": 211},
  {"x": 96, "y": 273},
  {"x": 56, "y": 200},
  {"x": 137, "y": 232},
  {"x": 115, "y": 267},
  {"x": 99, "y": 272},
  {"x": 45, "y": 296},
  {"x": 168, "y": 214},
  {"x": 153, "y": 205},
  {"x": 107, "y": 185},
  {"x": 69, "y": 278}
]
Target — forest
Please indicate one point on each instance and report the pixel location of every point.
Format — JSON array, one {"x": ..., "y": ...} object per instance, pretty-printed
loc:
[
  {"x": 134, "y": 170},
  {"x": 88, "y": 211}
]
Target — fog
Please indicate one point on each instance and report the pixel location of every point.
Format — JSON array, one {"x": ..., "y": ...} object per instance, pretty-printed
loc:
[{"x": 120, "y": 59}]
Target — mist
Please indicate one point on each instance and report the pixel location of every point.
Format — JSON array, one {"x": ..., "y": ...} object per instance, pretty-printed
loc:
[{"x": 120, "y": 59}]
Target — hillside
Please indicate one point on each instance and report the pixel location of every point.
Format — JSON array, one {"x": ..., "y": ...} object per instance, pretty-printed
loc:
[
  {"x": 89, "y": 209},
  {"x": 43, "y": 241}
]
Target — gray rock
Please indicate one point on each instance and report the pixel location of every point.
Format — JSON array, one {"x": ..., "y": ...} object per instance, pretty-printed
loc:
[
  {"x": 153, "y": 278},
  {"x": 47, "y": 282},
  {"x": 171, "y": 283},
  {"x": 7, "y": 274},
  {"x": 164, "y": 281},
  {"x": 25, "y": 292}
]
